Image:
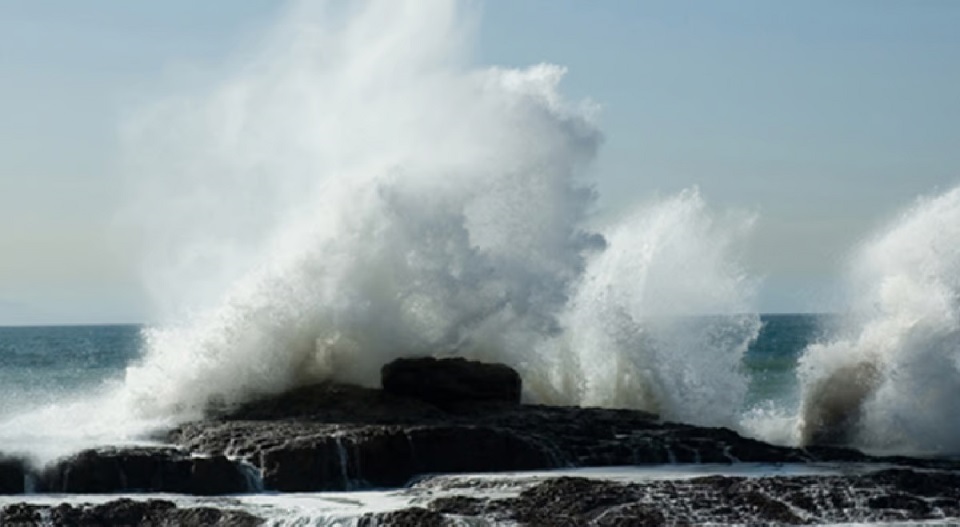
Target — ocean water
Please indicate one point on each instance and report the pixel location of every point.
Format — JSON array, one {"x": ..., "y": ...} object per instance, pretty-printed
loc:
[
  {"x": 41, "y": 365},
  {"x": 771, "y": 360}
]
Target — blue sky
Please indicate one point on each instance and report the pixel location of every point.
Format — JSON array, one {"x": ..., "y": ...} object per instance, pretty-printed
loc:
[{"x": 823, "y": 117}]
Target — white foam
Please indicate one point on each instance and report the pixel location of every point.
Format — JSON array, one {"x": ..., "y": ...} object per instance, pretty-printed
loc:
[
  {"x": 409, "y": 203},
  {"x": 662, "y": 318},
  {"x": 353, "y": 190},
  {"x": 887, "y": 380}
]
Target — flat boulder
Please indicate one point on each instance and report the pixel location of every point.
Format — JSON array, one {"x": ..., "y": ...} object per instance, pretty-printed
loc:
[{"x": 450, "y": 381}]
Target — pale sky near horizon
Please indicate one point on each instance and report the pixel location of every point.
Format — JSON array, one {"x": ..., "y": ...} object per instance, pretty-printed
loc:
[{"x": 823, "y": 117}]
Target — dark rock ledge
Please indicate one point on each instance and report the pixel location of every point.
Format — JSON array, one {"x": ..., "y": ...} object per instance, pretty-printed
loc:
[
  {"x": 467, "y": 418},
  {"x": 895, "y": 495},
  {"x": 12, "y": 475},
  {"x": 892, "y": 495},
  {"x": 123, "y": 512},
  {"x": 126, "y": 470},
  {"x": 130, "y": 470}
]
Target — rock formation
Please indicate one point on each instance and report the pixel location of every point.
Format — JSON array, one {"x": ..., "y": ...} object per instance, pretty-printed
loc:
[
  {"x": 453, "y": 416},
  {"x": 124, "y": 512}
]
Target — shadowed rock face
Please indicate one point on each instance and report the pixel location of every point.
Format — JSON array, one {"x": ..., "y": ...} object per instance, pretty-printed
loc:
[
  {"x": 454, "y": 380},
  {"x": 11, "y": 476},
  {"x": 113, "y": 470},
  {"x": 832, "y": 408},
  {"x": 388, "y": 440},
  {"x": 390, "y": 456}
]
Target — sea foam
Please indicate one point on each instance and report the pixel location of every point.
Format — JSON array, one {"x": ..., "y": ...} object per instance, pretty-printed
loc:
[
  {"x": 354, "y": 189},
  {"x": 889, "y": 379},
  {"x": 359, "y": 191}
]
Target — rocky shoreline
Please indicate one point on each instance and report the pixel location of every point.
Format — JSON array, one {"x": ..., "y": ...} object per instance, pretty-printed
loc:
[
  {"x": 453, "y": 417},
  {"x": 892, "y": 495},
  {"x": 123, "y": 512}
]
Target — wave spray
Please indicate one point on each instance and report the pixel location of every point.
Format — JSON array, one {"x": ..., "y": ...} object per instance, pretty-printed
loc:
[
  {"x": 890, "y": 379},
  {"x": 359, "y": 193},
  {"x": 355, "y": 191}
]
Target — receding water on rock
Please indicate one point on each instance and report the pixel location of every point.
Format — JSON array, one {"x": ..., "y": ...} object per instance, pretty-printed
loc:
[{"x": 765, "y": 493}]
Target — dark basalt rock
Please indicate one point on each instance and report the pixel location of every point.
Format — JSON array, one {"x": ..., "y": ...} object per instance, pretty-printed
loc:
[
  {"x": 20, "y": 514},
  {"x": 719, "y": 500},
  {"x": 389, "y": 456},
  {"x": 927, "y": 483},
  {"x": 577, "y": 501},
  {"x": 335, "y": 437},
  {"x": 112, "y": 470},
  {"x": 123, "y": 511},
  {"x": 466, "y": 419},
  {"x": 12, "y": 475},
  {"x": 412, "y": 517},
  {"x": 463, "y": 505},
  {"x": 894, "y": 495},
  {"x": 453, "y": 380}
]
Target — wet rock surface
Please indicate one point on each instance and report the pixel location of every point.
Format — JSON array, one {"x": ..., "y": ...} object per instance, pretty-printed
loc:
[
  {"x": 125, "y": 512},
  {"x": 144, "y": 470},
  {"x": 336, "y": 437},
  {"x": 893, "y": 495},
  {"x": 332, "y": 437},
  {"x": 129, "y": 470},
  {"x": 412, "y": 517},
  {"x": 301, "y": 457},
  {"x": 884, "y": 496}
]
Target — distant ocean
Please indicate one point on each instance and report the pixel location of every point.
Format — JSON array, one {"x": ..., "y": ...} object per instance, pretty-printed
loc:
[{"x": 40, "y": 365}]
